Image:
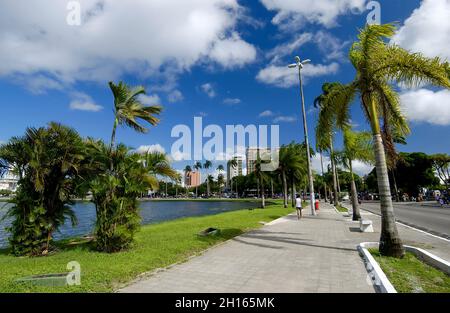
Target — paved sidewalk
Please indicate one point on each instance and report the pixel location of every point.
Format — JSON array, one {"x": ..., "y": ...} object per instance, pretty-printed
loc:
[{"x": 316, "y": 254}]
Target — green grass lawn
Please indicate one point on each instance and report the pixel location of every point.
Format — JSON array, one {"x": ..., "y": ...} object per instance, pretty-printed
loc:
[
  {"x": 410, "y": 275},
  {"x": 156, "y": 246}
]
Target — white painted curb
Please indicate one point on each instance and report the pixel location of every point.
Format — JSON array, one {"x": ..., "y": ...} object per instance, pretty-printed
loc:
[
  {"x": 430, "y": 259},
  {"x": 379, "y": 279},
  {"x": 377, "y": 275}
]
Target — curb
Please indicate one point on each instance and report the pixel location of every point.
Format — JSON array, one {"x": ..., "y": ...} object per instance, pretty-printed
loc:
[
  {"x": 430, "y": 259},
  {"x": 379, "y": 280}
]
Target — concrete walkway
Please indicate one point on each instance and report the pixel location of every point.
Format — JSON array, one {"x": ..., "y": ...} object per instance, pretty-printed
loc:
[{"x": 315, "y": 254}]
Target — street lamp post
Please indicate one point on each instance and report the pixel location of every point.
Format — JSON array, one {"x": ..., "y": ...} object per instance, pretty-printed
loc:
[{"x": 299, "y": 64}]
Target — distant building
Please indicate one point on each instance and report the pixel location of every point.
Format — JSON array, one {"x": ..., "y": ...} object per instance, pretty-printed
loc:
[
  {"x": 252, "y": 157},
  {"x": 236, "y": 170},
  {"x": 9, "y": 182},
  {"x": 192, "y": 179}
]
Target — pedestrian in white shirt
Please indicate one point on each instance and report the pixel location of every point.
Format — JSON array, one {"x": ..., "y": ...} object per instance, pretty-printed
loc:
[{"x": 298, "y": 206}]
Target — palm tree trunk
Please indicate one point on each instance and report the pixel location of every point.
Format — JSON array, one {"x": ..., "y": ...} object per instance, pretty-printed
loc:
[
  {"x": 333, "y": 169},
  {"x": 390, "y": 242},
  {"x": 355, "y": 203},
  {"x": 285, "y": 190},
  {"x": 113, "y": 141},
  {"x": 293, "y": 193},
  {"x": 397, "y": 199},
  {"x": 323, "y": 177},
  {"x": 271, "y": 186},
  {"x": 263, "y": 200}
]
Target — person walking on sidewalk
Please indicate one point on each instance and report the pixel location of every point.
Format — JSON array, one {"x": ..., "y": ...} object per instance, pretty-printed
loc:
[{"x": 298, "y": 206}]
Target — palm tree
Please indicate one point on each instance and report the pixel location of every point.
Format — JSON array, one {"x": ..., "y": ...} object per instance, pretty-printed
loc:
[
  {"x": 158, "y": 164},
  {"x": 197, "y": 166},
  {"x": 50, "y": 162},
  {"x": 356, "y": 147},
  {"x": 187, "y": 171},
  {"x": 261, "y": 177},
  {"x": 207, "y": 165},
  {"x": 128, "y": 109},
  {"x": 291, "y": 162},
  {"x": 115, "y": 193},
  {"x": 232, "y": 164},
  {"x": 378, "y": 64},
  {"x": 220, "y": 169},
  {"x": 325, "y": 130}
]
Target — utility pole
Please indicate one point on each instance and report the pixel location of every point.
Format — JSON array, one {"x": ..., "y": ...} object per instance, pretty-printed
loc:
[{"x": 299, "y": 64}]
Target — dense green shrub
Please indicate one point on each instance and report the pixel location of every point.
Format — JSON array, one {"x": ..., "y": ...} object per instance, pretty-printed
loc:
[{"x": 49, "y": 161}]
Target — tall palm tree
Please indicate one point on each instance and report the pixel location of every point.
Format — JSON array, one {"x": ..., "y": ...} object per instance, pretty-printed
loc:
[
  {"x": 261, "y": 178},
  {"x": 128, "y": 109},
  {"x": 207, "y": 165},
  {"x": 356, "y": 147},
  {"x": 323, "y": 175},
  {"x": 232, "y": 164},
  {"x": 325, "y": 130},
  {"x": 187, "y": 171},
  {"x": 220, "y": 169},
  {"x": 197, "y": 166},
  {"x": 292, "y": 164},
  {"x": 378, "y": 64}
]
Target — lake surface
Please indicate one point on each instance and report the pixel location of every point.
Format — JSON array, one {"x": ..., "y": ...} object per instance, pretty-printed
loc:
[{"x": 151, "y": 212}]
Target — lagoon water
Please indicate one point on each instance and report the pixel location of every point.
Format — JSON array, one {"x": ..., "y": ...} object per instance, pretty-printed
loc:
[{"x": 151, "y": 212}]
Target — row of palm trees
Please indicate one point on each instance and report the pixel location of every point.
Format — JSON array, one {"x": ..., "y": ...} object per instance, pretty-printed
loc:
[
  {"x": 55, "y": 165},
  {"x": 380, "y": 67},
  {"x": 198, "y": 166}
]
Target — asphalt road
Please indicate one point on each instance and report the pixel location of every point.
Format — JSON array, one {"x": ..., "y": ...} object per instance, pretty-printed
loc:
[{"x": 427, "y": 216}]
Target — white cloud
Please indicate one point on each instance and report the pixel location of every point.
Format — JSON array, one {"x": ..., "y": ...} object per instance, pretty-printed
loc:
[
  {"x": 266, "y": 113},
  {"x": 232, "y": 101},
  {"x": 284, "y": 77},
  {"x": 150, "y": 99},
  {"x": 233, "y": 52},
  {"x": 285, "y": 119},
  {"x": 165, "y": 34},
  {"x": 84, "y": 102},
  {"x": 292, "y": 14},
  {"x": 427, "y": 30},
  {"x": 316, "y": 165},
  {"x": 151, "y": 148},
  {"x": 289, "y": 47},
  {"x": 427, "y": 106},
  {"x": 208, "y": 89},
  {"x": 361, "y": 168},
  {"x": 330, "y": 46},
  {"x": 175, "y": 96}
]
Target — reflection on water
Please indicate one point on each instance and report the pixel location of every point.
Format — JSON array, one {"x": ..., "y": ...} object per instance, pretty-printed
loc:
[{"x": 151, "y": 212}]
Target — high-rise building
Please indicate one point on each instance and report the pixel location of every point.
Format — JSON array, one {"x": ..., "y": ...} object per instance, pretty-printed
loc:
[
  {"x": 233, "y": 171},
  {"x": 192, "y": 179},
  {"x": 9, "y": 181},
  {"x": 252, "y": 157}
]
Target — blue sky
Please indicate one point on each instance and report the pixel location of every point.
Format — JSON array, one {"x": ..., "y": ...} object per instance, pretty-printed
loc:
[{"x": 221, "y": 59}]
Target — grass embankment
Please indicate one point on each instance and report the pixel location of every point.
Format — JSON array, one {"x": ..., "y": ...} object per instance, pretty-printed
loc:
[
  {"x": 156, "y": 246},
  {"x": 342, "y": 209},
  {"x": 410, "y": 275}
]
